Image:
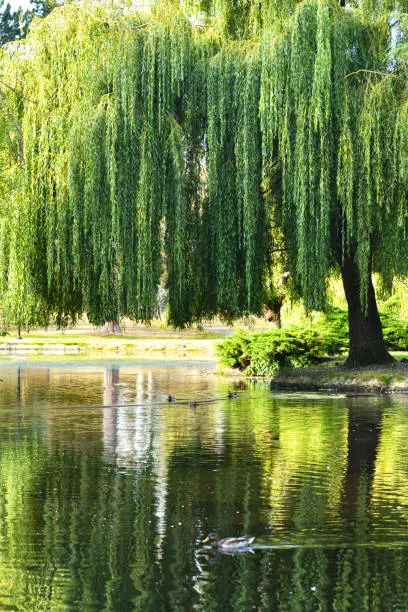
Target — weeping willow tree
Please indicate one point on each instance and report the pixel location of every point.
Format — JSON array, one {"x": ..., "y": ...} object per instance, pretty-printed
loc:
[
  {"x": 152, "y": 151},
  {"x": 116, "y": 151},
  {"x": 335, "y": 130},
  {"x": 103, "y": 151}
]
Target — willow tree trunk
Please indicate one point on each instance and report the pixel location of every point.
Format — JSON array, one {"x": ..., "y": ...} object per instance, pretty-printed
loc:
[
  {"x": 111, "y": 327},
  {"x": 365, "y": 332}
]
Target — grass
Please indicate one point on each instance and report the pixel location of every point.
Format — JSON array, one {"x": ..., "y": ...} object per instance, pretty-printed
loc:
[
  {"x": 85, "y": 338},
  {"x": 137, "y": 341},
  {"x": 399, "y": 355}
]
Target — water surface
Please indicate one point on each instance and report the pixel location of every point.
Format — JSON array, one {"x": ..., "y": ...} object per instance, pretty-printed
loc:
[{"x": 107, "y": 491}]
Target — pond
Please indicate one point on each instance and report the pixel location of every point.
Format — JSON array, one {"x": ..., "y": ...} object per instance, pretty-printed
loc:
[{"x": 107, "y": 491}]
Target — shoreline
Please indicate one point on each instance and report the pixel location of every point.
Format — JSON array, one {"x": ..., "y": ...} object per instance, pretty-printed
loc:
[
  {"x": 182, "y": 347},
  {"x": 372, "y": 379}
]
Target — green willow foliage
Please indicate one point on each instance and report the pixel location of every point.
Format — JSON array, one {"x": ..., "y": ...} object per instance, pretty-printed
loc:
[
  {"x": 150, "y": 151},
  {"x": 329, "y": 113},
  {"x": 98, "y": 143},
  {"x": 243, "y": 19},
  {"x": 116, "y": 146},
  {"x": 235, "y": 212}
]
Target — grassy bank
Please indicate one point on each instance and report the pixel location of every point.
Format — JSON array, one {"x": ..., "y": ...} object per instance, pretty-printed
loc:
[
  {"x": 139, "y": 342},
  {"x": 381, "y": 379}
]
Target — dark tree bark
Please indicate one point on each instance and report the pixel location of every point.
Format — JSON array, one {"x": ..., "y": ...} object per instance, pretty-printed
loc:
[{"x": 365, "y": 332}]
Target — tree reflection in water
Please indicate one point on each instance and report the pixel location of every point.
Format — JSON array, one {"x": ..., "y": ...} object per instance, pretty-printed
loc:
[{"x": 105, "y": 508}]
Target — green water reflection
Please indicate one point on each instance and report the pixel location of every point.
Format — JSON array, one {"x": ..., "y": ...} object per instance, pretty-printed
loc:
[{"x": 104, "y": 508}]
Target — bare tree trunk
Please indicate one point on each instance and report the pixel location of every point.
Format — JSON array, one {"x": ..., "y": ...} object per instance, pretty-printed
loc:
[
  {"x": 111, "y": 327},
  {"x": 367, "y": 345},
  {"x": 272, "y": 311}
]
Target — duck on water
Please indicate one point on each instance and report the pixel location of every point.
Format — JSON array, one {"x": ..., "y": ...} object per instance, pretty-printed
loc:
[{"x": 228, "y": 543}]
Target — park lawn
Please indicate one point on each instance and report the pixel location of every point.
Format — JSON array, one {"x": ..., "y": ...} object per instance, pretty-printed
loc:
[{"x": 142, "y": 342}]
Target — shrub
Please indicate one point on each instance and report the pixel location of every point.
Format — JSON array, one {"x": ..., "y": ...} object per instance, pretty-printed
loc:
[
  {"x": 333, "y": 329},
  {"x": 395, "y": 332},
  {"x": 291, "y": 346},
  {"x": 262, "y": 354},
  {"x": 234, "y": 350}
]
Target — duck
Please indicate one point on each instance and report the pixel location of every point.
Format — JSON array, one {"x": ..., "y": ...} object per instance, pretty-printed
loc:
[
  {"x": 171, "y": 398},
  {"x": 228, "y": 543},
  {"x": 193, "y": 404},
  {"x": 232, "y": 394}
]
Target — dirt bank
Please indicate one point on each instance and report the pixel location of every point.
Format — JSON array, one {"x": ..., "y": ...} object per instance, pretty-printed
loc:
[{"x": 381, "y": 379}]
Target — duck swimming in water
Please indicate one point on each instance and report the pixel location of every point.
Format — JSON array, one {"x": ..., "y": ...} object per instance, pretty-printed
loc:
[
  {"x": 232, "y": 394},
  {"x": 228, "y": 543}
]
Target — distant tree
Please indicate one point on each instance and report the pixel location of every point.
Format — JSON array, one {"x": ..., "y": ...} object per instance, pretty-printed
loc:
[
  {"x": 13, "y": 24},
  {"x": 42, "y": 8}
]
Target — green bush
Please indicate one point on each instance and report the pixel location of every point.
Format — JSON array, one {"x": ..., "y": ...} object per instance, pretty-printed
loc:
[
  {"x": 395, "y": 332},
  {"x": 234, "y": 351},
  {"x": 291, "y": 346},
  {"x": 333, "y": 330},
  {"x": 263, "y": 353}
]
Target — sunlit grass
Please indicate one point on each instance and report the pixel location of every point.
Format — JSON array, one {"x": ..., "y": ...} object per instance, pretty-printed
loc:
[{"x": 399, "y": 355}]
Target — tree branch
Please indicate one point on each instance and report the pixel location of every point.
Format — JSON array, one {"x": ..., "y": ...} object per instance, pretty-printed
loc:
[
  {"x": 364, "y": 70},
  {"x": 17, "y": 92}
]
